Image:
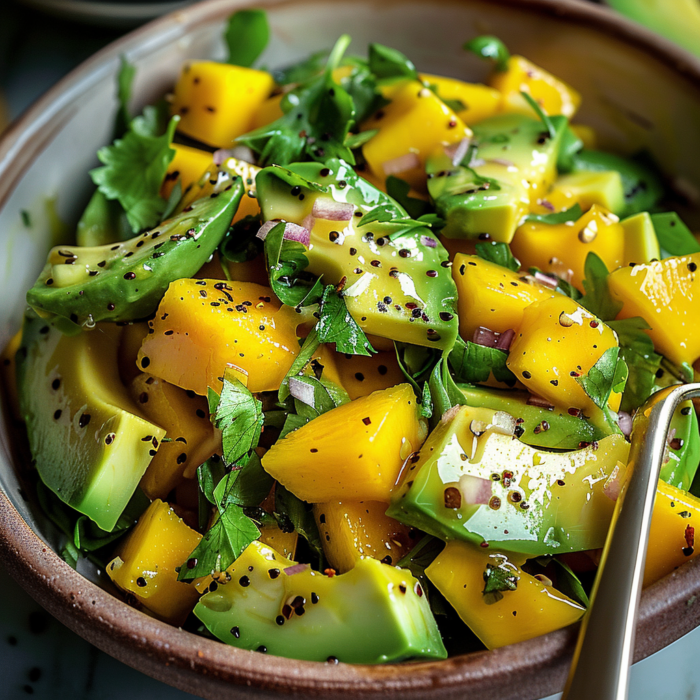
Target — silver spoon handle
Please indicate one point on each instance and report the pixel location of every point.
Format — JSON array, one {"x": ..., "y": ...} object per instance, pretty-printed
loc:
[{"x": 604, "y": 651}]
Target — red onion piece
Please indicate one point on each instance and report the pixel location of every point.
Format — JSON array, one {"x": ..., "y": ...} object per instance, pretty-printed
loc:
[
  {"x": 505, "y": 339},
  {"x": 409, "y": 161},
  {"x": 238, "y": 152},
  {"x": 456, "y": 152},
  {"x": 296, "y": 569},
  {"x": 292, "y": 232},
  {"x": 546, "y": 280},
  {"x": 428, "y": 241},
  {"x": 302, "y": 391},
  {"x": 475, "y": 490},
  {"x": 222, "y": 155},
  {"x": 309, "y": 222},
  {"x": 624, "y": 420},
  {"x": 501, "y": 161},
  {"x": 613, "y": 484},
  {"x": 266, "y": 228},
  {"x": 561, "y": 269},
  {"x": 330, "y": 210},
  {"x": 491, "y": 339},
  {"x": 540, "y": 403}
]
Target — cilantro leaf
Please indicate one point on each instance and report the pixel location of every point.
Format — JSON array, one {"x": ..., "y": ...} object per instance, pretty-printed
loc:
[
  {"x": 559, "y": 217},
  {"x": 398, "y": 189},
  {"x": 336, "y": 325},
  {"x": 240, "y": 418},
  {"x": 356, "y": 140},
  {"x": 311, "y": 344},
  {"x": 443, "y": 392},
  {"x": 498, "y": 580},
  {"x": 597, "y": 298},
  {"x": 570, "y": 146},
  {"x": 240, "y": 244},
  {"x": 387, "y": 63},
  {"x": 362, "y": 87},
  {"x": 674, "y": 236},
  {"x": 247, "y": 33},
  {"x": 490, "y": 47},
  {"x": 303, "y": 71},
  {"x": 637, "y": 350},
  {"x": 133, "y": 170},
  {"x": 317, "y": 117},
  {"x": 292, "y": 511},
  {"x": 546, "y": 120},
  {"x": 563, "y": 286},
  {"x": 498, "y": 253},
  {"x": 125, "y": 79},
  {"x": 416, "y": 363},
  {"x": 605, "y": 374},
  {"x": 473, "y": 364},
  {"x": 426, "y": 401},
  {"x": 326, "y": 396},
  {"x": 248, "y": 486}
]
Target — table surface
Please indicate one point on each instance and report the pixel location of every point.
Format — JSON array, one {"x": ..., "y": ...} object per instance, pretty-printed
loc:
[{"x": 38, "y": 655}]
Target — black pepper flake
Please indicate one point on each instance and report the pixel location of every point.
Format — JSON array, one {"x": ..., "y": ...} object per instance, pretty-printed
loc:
[
  {"x": 432, "y": 273},
  {"x": 236, "y": 632},
  {"x": 181, "y": 458},
  {"x": 527, "y": 375},
  {"x": 129, "y": 276},
  {"x": 141, "y": 582},
  {"x": 84, "y": 420},
  {"x": 367, "y": 421},
  {"x": 273, "y": 573},
  {"x": 692, "y": 266},
  {"x": 244, "y": 581}
]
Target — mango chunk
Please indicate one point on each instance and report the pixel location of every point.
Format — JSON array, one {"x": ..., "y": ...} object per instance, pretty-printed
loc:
[
  {"x": 353, "y": 452},
  {"x": 492, "y": 296},
  {"x": 533, "y": 608},
  {"x": 352, "y": 530},
  {"x": 217, "y": 102},
  {"x": 146, "y": 563},
  {"x": 187, "y": 166},
  {"x": 521, "y": 75},
  {"x": 664, "y": 294},
  {"x": 480, "y": 101},
  {"x": 204, "y": 326},
  {"x": 563, "y": 248},
  {"x": 641, "y": 243}
]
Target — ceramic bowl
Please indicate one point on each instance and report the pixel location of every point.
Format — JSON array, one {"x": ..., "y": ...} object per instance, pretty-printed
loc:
[{"x": 639, "y": 92}]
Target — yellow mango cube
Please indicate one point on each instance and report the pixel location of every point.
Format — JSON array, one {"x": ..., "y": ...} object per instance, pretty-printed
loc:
[
  {"x": 532, "y": 609},
  {"x": 558, "y": 342},
  {"x": 353, "y": 452},
  {"x": 146, "y": 563},
  {"x": 480, "y": 101},
  {"x": 352, "y": 530},
  {"x": 664, "y": 294},
  {"x": 492, "y": 296},
  {"x": 269, "y": 111},
  {"x": 187, "y": 166},
  {"x": 185, "y": 417},
  {"x": 563, "y": 248},
  {"x": 411, "y": 127},
  {"x": 203, "y": 327},
  {"x": 217, "y": 102},
  {"x": 521, "y": 75},
  {"x": 641, "y": 243}
]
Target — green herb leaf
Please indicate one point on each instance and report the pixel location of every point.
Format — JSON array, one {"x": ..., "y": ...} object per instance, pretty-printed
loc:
[
  {"x": 362, "y": 86},
  {"x": 602, "y": 377},
  {"x": 26, "y": 218},
  {"x": 498, "y": 253},
  {"x": 474, "y": 364},
  {"x": 398, "y": 189},
  {"x": 311, "y": 344},
  {"x": 417, "y": 561},
  {"x": 317, "y": 117},
  {"x": 247, "y": 33},
  {"x": 70, "y": 554},
  {"x": 290, "y": 510},
  {"x": 498, "y": 580},
  {"x": 134, "y": 168},
  {"x": 239, "y": 417},
  {"x": 125, "y": 79},
  {"x": 637, "y": 350},
  {"x": 490, "y": 47},
  {"x": 426, "y": 402},
  {"x": 570, "y": 145},
  {"x": 356, "y": 140},
  {"x": 570, "y": 585},
  {"x": 444, "y": 393},
  {"x": 387, "y": 63},
  {"x": 597, "y": 298},
  {"x": 209, "y": 475},
  {"x": 240, "y": 243},
  {"x": 247, "y": 486},
  {"x": 559, "y": 217},
  {"x": 173, "y": 200},
  {"x": 548, "y": 123},
  {"x": 675, "y": 238},
  {"x": 563, "y": 286},
  {"x": 303, "y": 71},
  {"x": 336, "y": 325}
]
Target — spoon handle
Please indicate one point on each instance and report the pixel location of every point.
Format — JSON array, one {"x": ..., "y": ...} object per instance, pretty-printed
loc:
[{"x": 604, "y": 651}]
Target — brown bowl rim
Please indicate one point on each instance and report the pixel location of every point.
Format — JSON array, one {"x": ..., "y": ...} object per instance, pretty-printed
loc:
[{"x": 201, "y": 666}]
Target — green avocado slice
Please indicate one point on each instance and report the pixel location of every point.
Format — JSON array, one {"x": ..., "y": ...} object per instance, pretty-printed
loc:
[
  {"x": 90, "y": 445},
  {"x": 125, "y": 281},
  {"x": 374, "y": 613}
]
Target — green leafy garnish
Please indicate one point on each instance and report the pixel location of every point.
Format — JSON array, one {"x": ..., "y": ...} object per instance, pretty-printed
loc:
[
  {"x": 247, "y": 33},
  {"x": 490, "y": 47},
  {"x": 546, "y": 120},
  {"x": 443, "y": 392},
  {"x": 303, "y": 71},
  {"x": 417, "y": 561},
  {"x": 125, "y": 80},
  {"x": 398, "y": 189},
  {"x": 26, "y": 218},
  {"x": 674, "y": 237},
  {"x": 637, "y": 350},
  {"x": 241, "y": 243},
  {"x": 474, "y": 364},
  {"x": 387, "y": 63},
  {"x": 597, "y": 298},
  {"x": 133, "y": 171},
  {"x": 317, "y": 117},
  {"x": 498, "y": 253},
  {"x": 336, "y": 325},
  {"x": 607, "y": 374},
  {"x": 294, "y": 514},
  {"x": 560, "y": 217},
  {"x": 311, "y": 344},
  {"x": 356, "y": 140},
  {"x": 239, "y": 417},
  {"x": 498, "y": 580}
]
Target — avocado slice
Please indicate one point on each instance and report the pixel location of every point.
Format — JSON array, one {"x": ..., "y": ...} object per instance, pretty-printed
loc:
[
  {"x": 90, "y": 445},
  {"x": 374, "y": 613},
  {"x": 395, "y": 274},
  {"x": 514, "y": 163},
  {"x": 473, "y": 481},
  {"x": 125, "y": 281},
  {"x": 535, "y": 425}
]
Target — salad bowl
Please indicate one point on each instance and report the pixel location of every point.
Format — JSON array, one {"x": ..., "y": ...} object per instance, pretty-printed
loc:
[{"x": 639, "y": 92}]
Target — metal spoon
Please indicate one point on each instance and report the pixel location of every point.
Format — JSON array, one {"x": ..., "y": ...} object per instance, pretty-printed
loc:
[{"x": 604, "y": 651}]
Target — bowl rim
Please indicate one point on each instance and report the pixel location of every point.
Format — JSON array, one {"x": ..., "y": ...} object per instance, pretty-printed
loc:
[{"x": 210, "y": 668}]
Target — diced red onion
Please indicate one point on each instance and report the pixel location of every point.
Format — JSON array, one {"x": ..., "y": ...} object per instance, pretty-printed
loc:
[
  {"x": 266, "y": 228},
  {"x": 296, "y": 569},
  {"x": 624, "y": 420},
  {"x": 428, "y": 241},
  {"x": 409, "y": 161},
  {"x": 308, "y": 222},
  {"x": 613, "y": 484},
  {"x": 503, "y": 423},
  {"x": 501, "y": 161},
  {"x": 546, "y": 204},
  {"x": 292, "y": 232},
  {"x": 505, "y": 339},
  {"x": 449, "y": 414},
  {"x": 561, "y": 269},
  {"x": 546, "y": 280},
  {"x": 330, "y": 210},
  {"x": 238, "y": 152},
  {"x": 539, "y": 402},
  {"x": 475, "y": 490},
  {"x": 222, "y": 155},
  {"x": 456, "y": 152},
  {"x": 302, "y": 391}
]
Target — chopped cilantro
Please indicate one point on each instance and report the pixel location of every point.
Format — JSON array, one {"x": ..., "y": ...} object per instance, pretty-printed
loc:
[
  {"x": 559, "y": 217},
  {"x": 607, "y": 374},
  {"x": 473, "y": 364},
  {"x": 247, "y": 33},
  {"x": 298, "y": 515},
  {"x": 490, "y": 47},
  {"x": 399, "y": 189},
  {"x": 125, "y": 80},
  {"x": 26, "y": 218},
  {"x": 597, "y": 298},
  {"x": 336, "y": 325},
  {"x": 498, "y": 253},
  {"x": 498, "y": 580},
  {"x": 674, "y": 237},
  {"x": 546, "y": 120},
  {"x": 389, "y": 64},
  {"x": 442, "y": 391}
]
